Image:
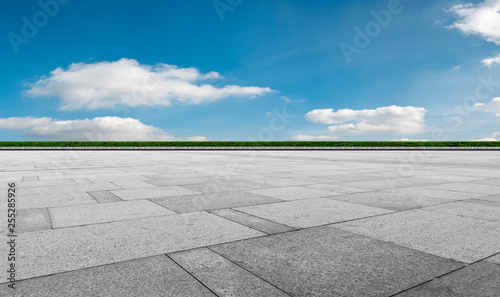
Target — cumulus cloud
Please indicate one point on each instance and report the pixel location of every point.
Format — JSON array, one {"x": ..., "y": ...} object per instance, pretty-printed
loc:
[
  {"x": 493, "y": 106},
  {"x": 481, "y": 19},
  {"x": 96, "y": 129},
  {"x": 15, "y": 123},
  {"x": 490, "y": 62},
  {"x": 314, "y": 138},
  {"x": 393, "y": 118},
  {"x": 126, "y": 82}
]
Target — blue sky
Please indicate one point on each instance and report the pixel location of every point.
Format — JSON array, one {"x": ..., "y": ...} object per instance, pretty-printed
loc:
[{"x": 250, "y": 70}]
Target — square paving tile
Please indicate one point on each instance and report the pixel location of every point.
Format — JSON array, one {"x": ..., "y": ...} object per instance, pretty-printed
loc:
[
  {"x": 149, "y": 193},
  {"x": 30, "y": 220},
  {"x": 449, "y": 236},
  {"x": 327, "y": 262},
  {"x": 311, "y": 212},
  {"x": 222, "y": 276},
  {"x": 293, "y": 193},
  {"x": 87, "y": 246},
  {"x": 480, "y": 279},
  {"x": 153, "y": 276},
  {"x": 87, "y": 214},
  {"x": 209, "y": 201}
]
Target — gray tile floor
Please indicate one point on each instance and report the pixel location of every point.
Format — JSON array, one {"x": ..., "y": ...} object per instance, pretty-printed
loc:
[{"x": 265, "y": 223}]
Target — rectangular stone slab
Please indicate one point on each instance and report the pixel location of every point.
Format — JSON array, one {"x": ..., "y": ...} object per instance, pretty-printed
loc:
[
  {"x": 133, "y": 184},
  {"x": 337, "y": 188},
  {"x": 104, "y": 196},
  {"x": 469, "y": 187},
  {"x": 209, "y": 201},
  {"x": 327, "y": 262},
  {"x": 479, "y": 279},
  {"x": 52, "y": 199},
  {"x": 393, "y": 182},
  {"x": 473, "y": 210},
  {"x": 178, "y": 181},
  {"x": 253, "y": 222},
  {"x": 41, "y": 253},
  {"x": 434, "y": 193},
  {"x": 222, "y": 186},
  {"x": 149, "y": 193},
  {"x": 45, "y": 183},
  {"x": 152, "y": 276},
  {"x": 292, "y": 193},
  {"x": 222, "y": 276},
  {"x": 77, "y": 215},
  {"x": 449, "y": 236},
  {"x": 311, "y": 212}
]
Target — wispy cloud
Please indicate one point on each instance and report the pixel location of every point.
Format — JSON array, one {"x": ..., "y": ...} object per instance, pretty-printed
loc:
[
  {"x": 395, "y": 119},
  {"x": 481, "y": 19},
  {"x": 96, "y": 129},
  {"x": 126, "y": 82}
]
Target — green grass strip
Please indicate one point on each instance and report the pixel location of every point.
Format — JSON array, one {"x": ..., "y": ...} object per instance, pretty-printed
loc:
[{"x": 250, "y": 143}]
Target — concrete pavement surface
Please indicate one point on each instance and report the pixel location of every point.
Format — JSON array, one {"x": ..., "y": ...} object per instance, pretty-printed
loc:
[{"x": 251, "y": 223}]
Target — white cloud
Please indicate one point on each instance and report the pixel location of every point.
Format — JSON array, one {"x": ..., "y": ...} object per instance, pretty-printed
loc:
[
  {"x": 22, "y": 123},
  {"x": 393, "y": 118},
  {"x": 481, "y": 19},
  {"x": 197, "y": 138},
  {"x": 312, "y": 138},
  {"x": 494, "y": 137},
  {"x": 486, "y": 139},
  {"x": 96, "y": 129},
  {"x": 408, "y": 139},
  {"x": 126, "y": 82},
  {"x": 490, "y": 62},
  {"x": 493, "y": 106}
]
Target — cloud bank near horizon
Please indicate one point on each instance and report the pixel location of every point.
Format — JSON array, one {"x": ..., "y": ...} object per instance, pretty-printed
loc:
[{"x": 96, "y": 129}]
